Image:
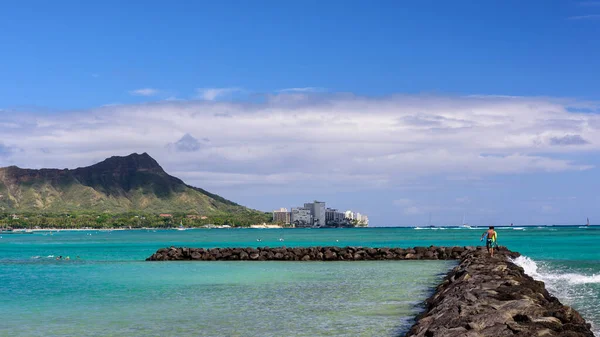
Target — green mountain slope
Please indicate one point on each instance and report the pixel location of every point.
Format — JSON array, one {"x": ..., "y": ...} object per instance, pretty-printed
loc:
[{"x": 117, "y": 184}]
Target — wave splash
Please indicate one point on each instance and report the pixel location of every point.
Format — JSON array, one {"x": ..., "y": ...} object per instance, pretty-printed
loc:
[
  {"x": 531, "y": 268},
  {"x": 578, "y": 290}
]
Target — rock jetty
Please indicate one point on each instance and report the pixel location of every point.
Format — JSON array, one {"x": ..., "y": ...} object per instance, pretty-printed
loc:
[
  {"x": 309, "y": 254},
  {"x": 493, "y": 297},
  {"x": 481, "y": 297}
]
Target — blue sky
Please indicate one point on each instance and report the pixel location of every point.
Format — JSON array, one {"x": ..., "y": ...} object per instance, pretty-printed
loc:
[{"x": 397, "y": 109}]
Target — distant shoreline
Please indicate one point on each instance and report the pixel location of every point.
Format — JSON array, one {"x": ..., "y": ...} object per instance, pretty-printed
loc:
[{"x": 54, "y": 229}]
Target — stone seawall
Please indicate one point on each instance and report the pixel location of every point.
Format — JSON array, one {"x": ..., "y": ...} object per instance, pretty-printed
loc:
[
  {"x": 481, "y": 297},
  {"x": 493, "y": 297},
  {"x": 309, "y": 254}
]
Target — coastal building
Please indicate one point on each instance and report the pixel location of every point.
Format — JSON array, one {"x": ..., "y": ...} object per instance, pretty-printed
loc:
[
  {"x": 358, "y": 218},
  {"x": 315, "y": 214},
  {"x": 333, "y": 216},
  {"x": 317, "y": 210},
  {"x": 301, "y": 217},
  {"x": 364, "y": 221},
  {"x": 282, "y": 216}
]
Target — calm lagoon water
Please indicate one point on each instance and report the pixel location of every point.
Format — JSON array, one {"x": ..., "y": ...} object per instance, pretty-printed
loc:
[{"x": 106, "y": 289}]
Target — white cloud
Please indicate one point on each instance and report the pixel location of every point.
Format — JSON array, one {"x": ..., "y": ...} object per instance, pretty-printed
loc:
[
  {"x": 145, "y": 92},
  {"x": 402, "y": 202},
  {"x": 412, "y": 207},
  {"x": 213, "y": 94},
  {"x": 589, "y": 3},
  {"x": 413, "y": 210},
  {"x": 547, "y": 209},
  {"x": 303, "y": 89},
  {"x": 187, "y": 143},
  {"x": 340, "y": 140},
  {"x": 585, "y": 17}
]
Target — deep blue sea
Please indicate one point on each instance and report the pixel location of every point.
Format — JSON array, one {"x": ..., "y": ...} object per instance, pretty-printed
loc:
[{"x": 107, "y": 289}]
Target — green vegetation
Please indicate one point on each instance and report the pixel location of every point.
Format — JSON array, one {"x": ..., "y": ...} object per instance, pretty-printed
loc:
[
  {"x": 129, "y": 191},
  {"x": 127, "y": 220}
]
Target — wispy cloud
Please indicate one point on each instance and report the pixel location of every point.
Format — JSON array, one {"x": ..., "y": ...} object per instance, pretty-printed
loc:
[
  {"x": 410, "y": 207},
  {"x": 372, "y": 142},
  {"x": 302, "y": 90},
  {"x": 4, "y": 150},
  {"x": 212, "y": 94},
  {"x": 568, "y": 140},
  {"x": 585, "y": 17},
  {"x": 402, "y": 202},
  {"x": 187, "y": 143},
  {"x": 589, "y": 3},
  {"x": 145, "y": 92}
]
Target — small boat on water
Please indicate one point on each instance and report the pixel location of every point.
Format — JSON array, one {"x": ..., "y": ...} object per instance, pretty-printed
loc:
[
  {"x": 464, "y": 224},
  {"x": 587, "y": 225},
  {"x": 181, "y": 228}
]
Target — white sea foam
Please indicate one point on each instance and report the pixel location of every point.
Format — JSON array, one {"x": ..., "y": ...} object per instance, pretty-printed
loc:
[
  {"x": 571, "y": 288},
  {"x": 531, "y": 268}
]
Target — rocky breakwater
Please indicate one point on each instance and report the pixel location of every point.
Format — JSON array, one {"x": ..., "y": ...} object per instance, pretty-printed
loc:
[
  {"x": 486, "y": 296},
  {"x": 309, "y": 254}
]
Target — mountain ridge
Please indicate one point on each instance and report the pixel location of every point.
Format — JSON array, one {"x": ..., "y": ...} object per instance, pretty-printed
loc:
[{"x": 135, "y": 182}]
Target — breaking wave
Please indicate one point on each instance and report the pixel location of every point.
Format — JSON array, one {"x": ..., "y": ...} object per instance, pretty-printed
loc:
[
  {"x": 531, "y": 268},
  {"x": 578, "y": 290}
]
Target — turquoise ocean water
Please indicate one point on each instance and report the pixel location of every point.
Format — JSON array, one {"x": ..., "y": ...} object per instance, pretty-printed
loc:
[{"x": 107, "y": 289}]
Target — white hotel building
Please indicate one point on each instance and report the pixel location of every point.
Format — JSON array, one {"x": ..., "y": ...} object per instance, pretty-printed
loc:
[{"x": 315, "y": 214}]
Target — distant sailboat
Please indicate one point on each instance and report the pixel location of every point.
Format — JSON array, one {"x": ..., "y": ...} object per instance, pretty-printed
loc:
[
  {"x": 464, "y": 223},
  {"x": 587, "y": 224}
]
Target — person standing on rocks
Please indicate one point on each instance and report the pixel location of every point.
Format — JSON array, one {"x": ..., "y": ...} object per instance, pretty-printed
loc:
[{"x": 491, "y": 240}]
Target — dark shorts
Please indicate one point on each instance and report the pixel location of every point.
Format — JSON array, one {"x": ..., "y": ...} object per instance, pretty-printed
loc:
[{"x": 489, "y": 243}]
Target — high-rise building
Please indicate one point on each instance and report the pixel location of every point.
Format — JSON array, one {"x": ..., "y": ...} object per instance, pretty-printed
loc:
[
  {"x": 349, "y": 215},
  {"x": 332, "y": 215},
  {"x": 366, "y": 220},
  {"x": 317, "y": 210},
  {"x": 301, "y": 217},
  {"x": 282, "y": 216}
]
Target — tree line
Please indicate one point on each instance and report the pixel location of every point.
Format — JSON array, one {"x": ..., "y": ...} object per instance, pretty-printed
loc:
[{"x": 127, "y": 220}]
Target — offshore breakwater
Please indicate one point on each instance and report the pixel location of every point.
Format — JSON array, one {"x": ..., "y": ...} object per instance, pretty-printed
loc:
[
  {"x": 482, "y": 296},
  {"x": 309, "y": 254}
]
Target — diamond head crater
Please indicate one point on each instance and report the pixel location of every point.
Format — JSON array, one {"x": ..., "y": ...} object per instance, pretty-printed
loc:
[{"x": 130, "y": 191}]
